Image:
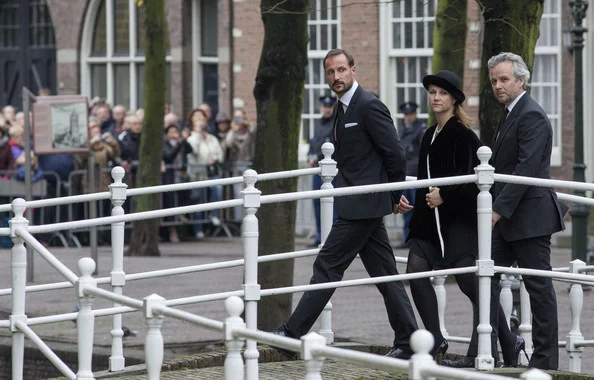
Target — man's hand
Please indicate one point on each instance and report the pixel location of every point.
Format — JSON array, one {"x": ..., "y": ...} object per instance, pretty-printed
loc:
[
  {"x": 495, "y": 218},
  {"x": 403, "y": 206}
]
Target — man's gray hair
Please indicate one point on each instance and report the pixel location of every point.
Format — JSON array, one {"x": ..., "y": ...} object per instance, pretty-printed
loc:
[{"x": 519, "y": 67}]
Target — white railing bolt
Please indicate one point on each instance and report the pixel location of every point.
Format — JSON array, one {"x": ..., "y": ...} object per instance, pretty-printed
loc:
[
  {"x": 421, "y": 342},
  {"x": 18, "y": 265},
  {"x": 85, "y": 321},
  {"x": 117, "y": 362},
  {"x": 234, "y": 368},
  {"x": 576, "y": 296},
  {"x": 326, "y": 323},
  {"x": 249, "y": 235},
  {"x": 535, "y": 374},
  {"x": 327, "y": 172},
  {"x": 438, "y": 283},
  {"x": 506, "y": 298},
  {"x": 485, "y": 179},
  {"x": 313, "y": 363},
  {"x": 153, "y": 346}
]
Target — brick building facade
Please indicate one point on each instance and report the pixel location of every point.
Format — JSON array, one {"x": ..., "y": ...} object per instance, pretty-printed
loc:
[{"x": 214, "y": 50}]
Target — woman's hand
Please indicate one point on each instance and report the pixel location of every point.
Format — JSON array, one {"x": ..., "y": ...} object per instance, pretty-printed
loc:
[{"x": 433, "y": 198}]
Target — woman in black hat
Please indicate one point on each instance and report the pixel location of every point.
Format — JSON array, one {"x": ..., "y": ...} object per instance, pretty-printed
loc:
[{"x": 443, "y": 229}]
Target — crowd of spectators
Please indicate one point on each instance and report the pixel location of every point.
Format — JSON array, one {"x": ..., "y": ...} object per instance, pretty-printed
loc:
[{"x": 198, "y": 147}]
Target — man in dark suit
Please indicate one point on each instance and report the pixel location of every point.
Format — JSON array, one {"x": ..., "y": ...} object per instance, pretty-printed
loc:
[
  {"x": 367, "y": 152},
  {"x": 525, "y": 217}
]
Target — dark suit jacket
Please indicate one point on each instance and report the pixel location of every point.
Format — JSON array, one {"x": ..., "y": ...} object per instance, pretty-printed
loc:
[
  {"x": 523, "y": 148},
  {"x": 367, "y": 152},
  {"x": 453, "y": 153}
]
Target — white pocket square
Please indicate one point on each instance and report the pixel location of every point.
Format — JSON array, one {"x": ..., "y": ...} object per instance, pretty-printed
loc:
[{"x": 348, "y": 125}]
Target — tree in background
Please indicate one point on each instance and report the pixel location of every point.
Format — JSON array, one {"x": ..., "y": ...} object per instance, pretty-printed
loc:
[
  {"x": 511, "y": 26},
  {"x": 449, "y": 40},
  {"x": 278, "y": 91},
  {"x": 145, "y": 233}
]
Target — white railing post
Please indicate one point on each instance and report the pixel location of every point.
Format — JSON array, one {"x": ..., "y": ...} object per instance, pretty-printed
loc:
[
  {"x": 234, "y": 368},
  {"x": 506, "y": 298},
  {"x": 326, "y": 323},
  {"x": 535, "y": 374},
  {"x": 85, "y": 321},
  {"x": 438, "y": 283},
  {"x": 328, "y": 172},
  {"x": 153, "y": 345},
  {"x": 313, "y": 363},
  {"x": 485, "y": 179},
  {"x": 421, "y": 342},
  {"x": 525, "y": 321},
  {"x": 117, "y": 361},
  {"x": 576, "y": 296},
  {"x": 251, "y": 288},
  {"x": 18, "y": 265}
]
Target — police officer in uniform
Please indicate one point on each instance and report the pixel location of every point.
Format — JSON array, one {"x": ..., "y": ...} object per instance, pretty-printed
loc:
[
  {"x": 322, "y": 133},
  {"x": 411, "y": 132}
]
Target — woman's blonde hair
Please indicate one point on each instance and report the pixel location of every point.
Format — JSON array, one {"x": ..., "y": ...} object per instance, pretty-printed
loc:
[{"x": 462, "y": 116}]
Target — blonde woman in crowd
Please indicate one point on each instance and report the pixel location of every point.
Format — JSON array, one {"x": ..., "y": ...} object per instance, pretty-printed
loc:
[{"x": 203, "y": 163}]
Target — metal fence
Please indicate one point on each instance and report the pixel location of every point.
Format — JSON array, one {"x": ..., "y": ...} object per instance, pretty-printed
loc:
[{"x": 312, "y": 347}]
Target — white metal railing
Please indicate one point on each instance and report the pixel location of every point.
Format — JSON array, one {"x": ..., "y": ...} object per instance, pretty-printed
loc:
[{"x": 21, "y": 233}]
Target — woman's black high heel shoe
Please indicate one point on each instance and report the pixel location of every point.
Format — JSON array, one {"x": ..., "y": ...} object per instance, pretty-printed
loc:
[
  {"x": 441, "y": 350},
  {"x": 519, "y": 346}
]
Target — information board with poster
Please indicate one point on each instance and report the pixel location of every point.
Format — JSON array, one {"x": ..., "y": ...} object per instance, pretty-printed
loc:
[{"x": 60, "y": 124}]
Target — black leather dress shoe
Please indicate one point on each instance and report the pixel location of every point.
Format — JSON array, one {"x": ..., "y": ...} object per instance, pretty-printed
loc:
[
  {"x": 440, "y": 351},
  {"x": 465, "y": 362},
  {"x": 282, "y": 331},
  {"x": 399, "y": 353},
  {"x": 519, "y": 346}
]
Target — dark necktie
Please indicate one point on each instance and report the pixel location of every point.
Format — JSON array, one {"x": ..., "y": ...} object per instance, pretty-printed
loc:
[
  {"x": 501, "y": 122},
  {"x": 339, "y": 121}
]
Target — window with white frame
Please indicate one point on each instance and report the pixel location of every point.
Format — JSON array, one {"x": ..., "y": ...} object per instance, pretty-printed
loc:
[
  {"x": 205, "y": 52},
  {"x": 410, "y": 49},
  {"x": 324, "y": 34},
  {"x": 113, "y": 53},
  {"x": 546, "y": 72}
]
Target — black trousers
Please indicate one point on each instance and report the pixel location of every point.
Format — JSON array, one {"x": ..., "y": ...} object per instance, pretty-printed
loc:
[
  {"x": 532, "y": 253},
  {"x": 368, "y": 238}
]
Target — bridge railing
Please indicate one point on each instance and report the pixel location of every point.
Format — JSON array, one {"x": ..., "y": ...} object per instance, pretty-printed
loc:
[{"x": 251, "y": 201}]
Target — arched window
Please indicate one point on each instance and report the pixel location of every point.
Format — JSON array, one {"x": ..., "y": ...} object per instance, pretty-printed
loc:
[{"x": 113, "y": 53}]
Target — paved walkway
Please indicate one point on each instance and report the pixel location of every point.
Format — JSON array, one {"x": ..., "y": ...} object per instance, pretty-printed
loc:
[{"x": 363, "y": 321}]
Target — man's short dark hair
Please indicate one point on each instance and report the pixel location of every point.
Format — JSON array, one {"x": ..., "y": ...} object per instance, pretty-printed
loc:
[{"x": 335, "y": 52}]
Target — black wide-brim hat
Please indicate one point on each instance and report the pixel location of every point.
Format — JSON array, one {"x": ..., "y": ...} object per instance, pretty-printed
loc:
[{"x": 448, "y": 81}]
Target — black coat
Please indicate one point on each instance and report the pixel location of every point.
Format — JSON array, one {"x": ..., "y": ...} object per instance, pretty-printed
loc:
[
  {"x": 524, "y": 148},
  {"x": 453, "y": 153},
  {"x": 367, "y": 152}
]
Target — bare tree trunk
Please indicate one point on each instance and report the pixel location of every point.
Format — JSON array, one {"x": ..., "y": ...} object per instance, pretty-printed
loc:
[
  {"x": 279, "y": 99},
  {"x": 509, "y": 26},
  {"x": 145, "y": 234},
  {"x": 449, "y": 40}
]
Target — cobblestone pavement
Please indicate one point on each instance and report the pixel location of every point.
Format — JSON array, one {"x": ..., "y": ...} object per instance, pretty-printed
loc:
[{"x": 358, "y": 314}]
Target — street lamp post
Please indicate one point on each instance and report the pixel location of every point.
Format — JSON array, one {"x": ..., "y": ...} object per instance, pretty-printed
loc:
[{"x": 579, "y": 211}]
